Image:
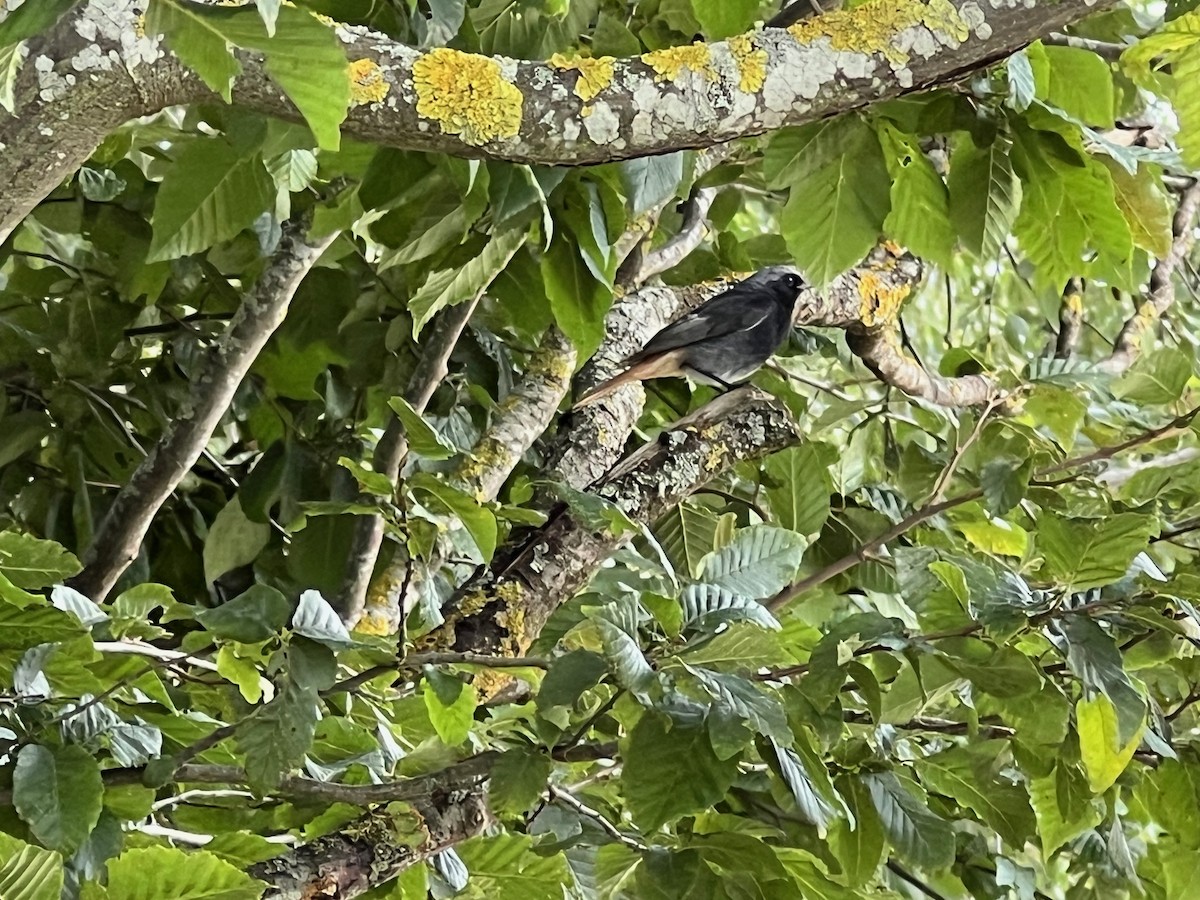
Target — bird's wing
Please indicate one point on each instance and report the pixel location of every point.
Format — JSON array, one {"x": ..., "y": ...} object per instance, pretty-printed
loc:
[{"x": 726, "y": 313}]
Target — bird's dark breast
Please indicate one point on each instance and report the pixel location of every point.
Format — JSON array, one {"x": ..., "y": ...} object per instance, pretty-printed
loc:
[{"x": 735, "y": 357}]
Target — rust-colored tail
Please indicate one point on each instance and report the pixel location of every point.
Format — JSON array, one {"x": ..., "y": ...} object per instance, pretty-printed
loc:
[{"x": 661, "y": 366}]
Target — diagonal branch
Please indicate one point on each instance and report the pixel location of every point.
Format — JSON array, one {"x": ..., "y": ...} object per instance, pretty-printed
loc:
[
  {"x": 1162, "y": 285},
  {"x": 119, "y": 537},
  {"x": 880, "y": 351},
  {"x": 391, "y": 450},
  {"x": 678, "y": 246}
]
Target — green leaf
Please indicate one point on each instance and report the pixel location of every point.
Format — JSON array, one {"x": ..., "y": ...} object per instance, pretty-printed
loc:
[
  {"x": 1186, "y": 72},
  {"x": 10, "y": 67},
  {"x": 168, "y": 873},
  {"x": 279, "y": 734},
  {"x": 593, "y": 511},
  {"x": 1063, "y": 806},
  {"x": 240, "y": 671},
  {"x": 668, "y": 774},
  {"x": 1156, "y": 378},
  {"x": 21, "y": 629},
  {"x": 1004, "y": 481},
  {"x": 254, "y": 615},
  {"x": 303, "y": 57},
  {"x": 687, "y": 532},
  {"x": 968, "y": 776},
  {"x": 798, "y": 488},
  {"x": 568, "y": 677},
  {"x": 918, "y": 835},
  {"x": 233, "y": 540},
  {"x": 211, "y": 192},
  {"x": 1104, "y": 754},
  {"x": 721, "y": 18},
  {"x": 736, "y": 697},
  {"x": 835, "y": 213},
  {"x": 479, "y": 521},
  {"x": 506, "y": 867},
  {"x": 759, "y": 562},
  {"x": 450, "y": 287},
  {"x": 316, "y": 620},
  {"x": 857, "y": 839},
  {"x": 816, "y": 801},
  {"x": 451, "y": 706},
  {"x": 1087, "y": 553},
  {"x": 650, "y": 180},
  {"x": 28, "y": 872},
  {"x": 985, "y": 195},
  {"x": 31, "y": 19},
  {"x": 706, "y": 607},
  {"x": 618, "y": 625},
  {"x": 518, "y": 779},
  {"x": 578, "y": 300},
  {"x": 423, "y": 438},
  {"x": 1144, "y": 204},
  {"x": 445, "y": 18},
  {"x": 31, "y": 563},
  {"x": 920, "y": 215},
  {"x": 371, "y": 482},
  {"x": 1074, "y": 80},
  {"x": 58, "y": 793}
]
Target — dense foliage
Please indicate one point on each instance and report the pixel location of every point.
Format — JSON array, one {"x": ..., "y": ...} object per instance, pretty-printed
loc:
[{"x": 923, "y": 651}]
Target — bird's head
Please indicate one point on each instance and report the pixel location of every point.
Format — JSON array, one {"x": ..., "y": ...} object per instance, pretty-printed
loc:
[{"x": 784, "y": 283}]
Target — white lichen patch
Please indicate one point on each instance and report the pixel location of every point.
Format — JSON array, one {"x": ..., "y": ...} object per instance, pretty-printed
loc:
[{"x": 602, "y": 126}]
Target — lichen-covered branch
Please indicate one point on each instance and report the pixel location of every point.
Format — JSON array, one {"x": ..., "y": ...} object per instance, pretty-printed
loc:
[
  {"x": 880, "y": 351},
  {"x": 1162, "y": 285},
  {"x": 1070, "y": 319},
  {"x": 391, "y": 450},
  {"x": 119, "y": 537},
  {"x": 562, "y": 111},
  {"x": 677, "y": 247},
  {"x": 506, "y": 614}
]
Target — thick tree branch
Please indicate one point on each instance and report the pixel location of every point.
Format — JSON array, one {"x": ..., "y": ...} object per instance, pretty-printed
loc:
[
  {"x": 390, "y": 452},
  {"x": 519, "y": 110},
  {"x": 678, "y": 246},
  {"x": 1162, "y": 285},
  {"x": 119, "y": 537}
]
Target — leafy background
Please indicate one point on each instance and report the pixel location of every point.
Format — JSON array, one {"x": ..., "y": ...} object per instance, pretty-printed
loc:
[{"x": 995, "y": 701}]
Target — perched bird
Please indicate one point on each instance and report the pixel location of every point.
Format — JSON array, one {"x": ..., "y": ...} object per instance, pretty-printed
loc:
[{"x": 721, "y": 342}]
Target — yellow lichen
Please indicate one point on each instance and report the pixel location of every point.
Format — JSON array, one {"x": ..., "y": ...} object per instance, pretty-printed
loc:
[
  {"x": 327, "y": 21},
  {"x": 714, "y": 457},
  {"x": 373, "y": 621},
  {"x": 367, "y": 84},
  {"x": 669, "y": 63},
  {"x": 466, "y": 94},
  {"x": 892, "y": 247},
  {"x": 139, "y": 24},
  {"x": 872, "y": 26},
  {"x": 595, "y": 73},
  {"x": 1074, "y": 303},
  {"x": 751, "y": 63},
  {"x": 879, "y": 301}
]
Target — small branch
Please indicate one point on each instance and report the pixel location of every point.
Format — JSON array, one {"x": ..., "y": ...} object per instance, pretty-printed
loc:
[
  {"x": 676, "y": 249},
  {"x": 569, "y": 800},
  {"x": 1106, "y": 49},
  {"x": 415, "y": 661},
  {"x": 943, "y": 480},
  {"x": 1162, "y": 285},
  {"x": 930, "y": 510},
  {"x": 1070, "y": 319},
  {"x": 880, "y": 352},
  {"x": 913, "y": 880},
  {"x": 119, "y": 537},
  {"x": 389, "y": 456}
]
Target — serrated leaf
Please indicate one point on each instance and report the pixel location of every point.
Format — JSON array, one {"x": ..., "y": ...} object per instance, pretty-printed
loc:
[
  {"x": 1075, "y": 80},
  {"x": 708, "y": 606},
  {"x": 759, "y": 562},
  {"x": 450, "y": 704},
  {"x": 650, "y": 180},
  {"x": 450, "y": 287},
  {"x": 168, "y": 873},
  {"x": 1021, "y": 85},
  {"x": 28, "y": 872},
  {"x": 568, "y": 677},
  {"x": 58, "y": 793},
  {"x": 918, "y": 835},
  {"x": 920, "y": 215},
  {"x": 277, "y": 737},
  {"x": 1156, "y": 378},
  {"x": 814, "y": 808},
  {"x": 478, "y": 520},
  {"x": 1104, "y": 754},
  {"x": 618, "y": 626},
  {"x": 835, "y": 215},
  {"x": 21, "y": 629},
  {"x": 423, "y": 438},
  {"x": 303, "y": 56},
  {"x": 798, "y": 488},
  {"x": 507, "y": 867},
  {"x": 734, "y": 696},
  {"x": 985, "y": 195},
  {"x": 518, "y": 779},
  {"x": 687, "y": 532},
  {"x": 1004, "y": 481},
  {"x": 1186, "y": 72},
  {"x": 31, "y": 563},
  {"x": 1087, "y": 553},
  {"x": 668, "y": 774},
  {"x": 1063, "y": 807},
  {"x": 1146, "y": 209},
  {"x": 233, "y": 540},
  {"x": 254, "y": 615},
  {"x": 211, "y": 192},
  {"x": 578, "y": 300},
  {"x": 316, "y": 619},
  {"x": 721, "y": 18},
  {"x": 965, "y": 775},
  {"x": 857, "y": 839}
]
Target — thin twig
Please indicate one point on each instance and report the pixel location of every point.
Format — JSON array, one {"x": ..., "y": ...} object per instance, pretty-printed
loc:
[
  {"x": 570, "y": 800},
  {"x": 943, "y": 481}
]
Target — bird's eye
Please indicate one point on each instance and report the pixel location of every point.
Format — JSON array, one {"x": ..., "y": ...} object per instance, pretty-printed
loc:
[{"x": 795, "y": 281}]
